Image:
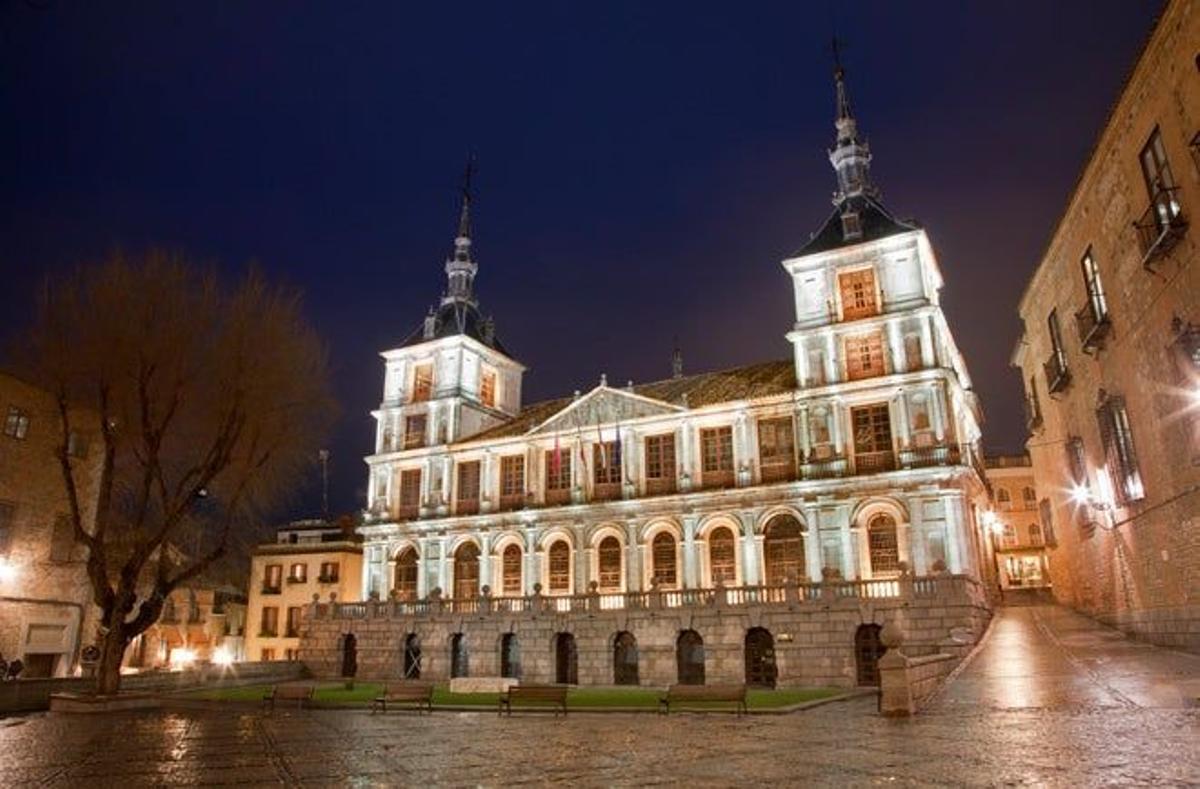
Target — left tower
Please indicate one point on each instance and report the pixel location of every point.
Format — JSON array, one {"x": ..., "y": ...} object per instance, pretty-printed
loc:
[{"x": 450, "y": 378}]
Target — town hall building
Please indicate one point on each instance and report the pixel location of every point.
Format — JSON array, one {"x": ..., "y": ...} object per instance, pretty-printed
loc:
[{"x": 757, "y": 523}]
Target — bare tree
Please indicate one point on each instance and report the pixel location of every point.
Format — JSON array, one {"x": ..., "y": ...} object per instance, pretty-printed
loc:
[{"x": 208, "y": 400}]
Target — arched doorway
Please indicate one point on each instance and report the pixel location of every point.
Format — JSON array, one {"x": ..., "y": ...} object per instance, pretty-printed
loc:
[
  {"x": 760, "y": 658},
  {"x": 510, "y": 656},
  {"x": 867, "y": 651},
  {"x": 783, "y": 550},
  {"x": 412, "y": 656},
  {"x": 566, "y": 660},
  {"x": 689, "y": 658},
  {"x": 406, "y": 575},
  {"x": 349, "y": 655},
  {"x": 625, "y": 659},
  {"x": 466, "y": 571},
  {"x": 459, "y": 659}
]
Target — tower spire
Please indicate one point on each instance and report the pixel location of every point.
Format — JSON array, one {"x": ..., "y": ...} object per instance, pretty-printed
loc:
[
  {"x": 850, "y": 157},
  {"x": 460, "y": 268}
]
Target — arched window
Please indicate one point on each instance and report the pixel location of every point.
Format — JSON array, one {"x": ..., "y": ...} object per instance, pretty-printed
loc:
[
  {"x": 722, "y": 557},
  {"x": 610, "y": 564},
  {"x": 689, "y": 658},
  {"x": 783, "y": 550},
  {"x": 1029, "y": 498},
  {"x": 459, "y": 659},
  {"x": 510, "y": 656},
  {"x": 510, "y": 571},
  {"x": 625, "y": 659},
  {"x": 1035, "y": 534},
  {"x": 1003, "y": 499},
  {"x": 883, "y": 544},
  {"x": 663, "y": 555},
  {"x": 406, "y": 575},
  {"x": 560, "y": 567},
  {"x": 466, "y": 571}
]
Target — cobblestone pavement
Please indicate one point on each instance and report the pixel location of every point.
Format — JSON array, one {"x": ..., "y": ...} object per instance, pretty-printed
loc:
[{"x": 1017, "y": 715}]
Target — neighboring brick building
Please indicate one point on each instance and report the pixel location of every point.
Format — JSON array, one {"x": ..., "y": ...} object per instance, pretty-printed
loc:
[
  {"x": 309, "y": 559},
  {"x": 45, "y": 597},
  {"x": 1018, "y": 536},
  {"x": 1110, "y": 356}
]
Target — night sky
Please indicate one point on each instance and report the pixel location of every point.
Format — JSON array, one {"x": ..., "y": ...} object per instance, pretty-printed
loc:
[{"x": 643, "y": 167}]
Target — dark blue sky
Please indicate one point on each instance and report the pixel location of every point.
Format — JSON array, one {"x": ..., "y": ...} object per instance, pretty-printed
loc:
[{"x": 643, "y": 166}]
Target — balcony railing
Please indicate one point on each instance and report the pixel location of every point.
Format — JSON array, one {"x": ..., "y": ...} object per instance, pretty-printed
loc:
[
  {"x": 272, "y": 589},
  {"x": 466, "y": 507},
  {"x": 825, "y": 468},
  {"x": 815, "y": 593},
  {"x": 296, "y": 579},
  {"x": 1058, "y": 377},
  {"x": 511, "y": 501},
  {"x": 874, "y": 462},
  {"x": 1093, "y": 327},
  {"x": 606, "y": 491},
  {"x": 660, "y": 486},
  {"x": 925, "y": 457},
  {"x": 408, "y": 512},
  {"x": 327, "y": 579},
  {"x": 777, "y": 472},
  {"x": 558, "y": 496},
  {"x": 1161, "y": 225},
  {"x": 717, "y": 479}
]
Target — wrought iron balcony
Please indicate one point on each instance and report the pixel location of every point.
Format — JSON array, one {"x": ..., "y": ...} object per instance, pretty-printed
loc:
[
  {"x": 1161, "y": 225},
  {"x": 874, "y": 462},
  {"x": 924, "y": 457},
  {"x": 271, "y": 589},
  {"x": 1093, "y": 327},
  {"x": 825, "y": 468},
  {"x": 1058, "y": 377}
]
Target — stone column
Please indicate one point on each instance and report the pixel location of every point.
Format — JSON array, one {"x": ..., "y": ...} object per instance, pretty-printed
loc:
[
  {"x": 442, "y": 544},
  {"x": 927, "y": 349},
  {"x": 937, "y": 406},
  {"x": 954, "y": 529},
  {"x": 691, "y": 574},
  {"x": 903, "y": 429},
  {"x": 916, "y": 539},
  {"x": 532, "y": 571},
  {"x": 832, "y": 360},
  {"x": 488, "y": 489},
  {"x": 485, "y": 560},
  {"x": 836, "y": 413},
  {"x": 423, "y": 566},
  {"x": 633, "y": 565},
  {"x": 895, "y": 346},
  {"x": 849, "y": 565},
  {"x": 812, "y": 543},
  {"x": 749, "y": 552}
]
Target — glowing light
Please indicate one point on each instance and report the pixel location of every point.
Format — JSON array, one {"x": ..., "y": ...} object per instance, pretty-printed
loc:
[
  {"x": 8, "y": 571},
  {"x": 222, "y": 657},
  {"x": 182, "y": 658},
  {"x": 1081, "y": 495}
]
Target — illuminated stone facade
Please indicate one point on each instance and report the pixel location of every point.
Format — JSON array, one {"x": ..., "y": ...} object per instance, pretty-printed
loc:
[{"x": 1110, "y": 356}]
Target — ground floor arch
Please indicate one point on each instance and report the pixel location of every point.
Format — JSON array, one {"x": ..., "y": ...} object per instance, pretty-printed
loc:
[
  {"x": 689, "y": 658},
  {"x": 412, "y": 656},
  {"x": 625, "y": 659},
  {"x": 510, "y": 656},
  {"x": 761, "y": 670},
  {"x": 867, "y": 651},
  {"x": 349, "y": 655},
  {"x": 460, "y": 665},
  {"x": 566, "y": 659}
]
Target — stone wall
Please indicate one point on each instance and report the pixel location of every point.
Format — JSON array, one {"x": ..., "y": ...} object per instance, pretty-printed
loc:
[{"x": 814, "y": 639}]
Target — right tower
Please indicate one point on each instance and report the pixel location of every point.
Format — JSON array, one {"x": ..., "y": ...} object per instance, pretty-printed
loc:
[{"x": 872, "y": 347}]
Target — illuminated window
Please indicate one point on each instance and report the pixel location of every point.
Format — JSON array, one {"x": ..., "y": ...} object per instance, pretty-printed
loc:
[
  {"x": 422, "y": 382},
  {"x": 466, "y": 497},
  {"x": 560, "y": 567},
  {"x": 776, "y": 449},
  {"x": 558, "y": 475},
  {"x": 716, "y": 457},
  {"x": 606, "y": 470},
  {"x": 298, "y": 573},
  {"x": 292, "y": 625},
  {"x": 7, "y": 513},
  {"x": 783, "y": 550},
  {"x": 1003, "y": 499},
  {"x": 864, "y": 356},
  {"x": 857, "y": 290},
  {"x": 883, "y": 545},
  {"x": 406, "y": 575},
  {"x": 660, "y": 463},
  {"x": 872, "y": 438},
  {"x": 16, "y": 424},
  {"x": 722, "y": 557},
  {"x": 1097, "y": 302},
  {"x": 1029, "y": 498},
  {"x": 269, "y": 626},
  {"x": 329, "y": 573},
  {"x": 610, "y": 564},
  {"x": 1035, "y": 534},
  {"x": 410, "y": 492},
  {"x": 487, "y": 388},
  {"x": 466, "y": 571},
  {"x": 414, "y": 431},
  {"x": 512, "y": 482},
  {"x": 663, "y": 555},
  {"x": 1121, "y": 460},
  {"x": 510, "y": 571},
  {"x": 272, "y": 578}
]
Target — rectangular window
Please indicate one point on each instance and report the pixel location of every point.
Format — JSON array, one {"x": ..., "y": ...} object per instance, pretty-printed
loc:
[
  {"x": 291, "y": 655},
  {"x": 62, "y": 539},
  {"x": 660, "y": 463},
  {"x": 270, "y": 621},
  {"x": 293, "y": 622},
  {"x": 77, "y": 444},
  {"x": 298, "y": 573},
  {"x": 512, "y": 482},
  {"x": 273, "y": 579},
  {"x": 716, "y": 457},
  {"x": 1047, "y": 517},
  {"x": 422, "y": 383},
  {"x": 864, "y": 356},
  {"x": 872, "y": 438},
  {"x": 1156, "y": 170},
  {"x": 487, "y": 388},
  {"x": 857, "y": 289},
  {"x": 410, "y": 493},
  {"x": 466, "y": 497},
  {"x": 776, "y": 449},
  {"x": 606, "y": 471},
  {"x": 268, "y": 655},
  {"x": 1057, "y": 372},
  {"x": 16, "y": 424},
  {"x": 8, "y": 512},
  {"x": 1120, "y": 458},
  {"x": 329, "y": 572},
  {"x": 414, "y": 431},
  {"x": 1056, "y": 340},
  {"x": 1095, "y": 289},
  {"x": 558, "y": 475}
]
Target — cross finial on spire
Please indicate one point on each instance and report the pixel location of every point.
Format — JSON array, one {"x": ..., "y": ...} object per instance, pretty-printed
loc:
[
  {"x": 464, "y": 217},
  {"x": 851, "y": 157},
  {"x": 460, "y": 268}
]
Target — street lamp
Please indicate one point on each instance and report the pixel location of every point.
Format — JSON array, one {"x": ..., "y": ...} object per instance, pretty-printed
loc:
[{"x": 8, "y": 570}]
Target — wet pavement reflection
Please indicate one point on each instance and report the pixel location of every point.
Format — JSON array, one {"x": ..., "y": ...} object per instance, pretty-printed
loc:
[{"x": 1048, "y": 700}]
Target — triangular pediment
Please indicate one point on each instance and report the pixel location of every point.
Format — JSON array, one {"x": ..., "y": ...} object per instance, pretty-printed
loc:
[{"x": 603, "y": 406}]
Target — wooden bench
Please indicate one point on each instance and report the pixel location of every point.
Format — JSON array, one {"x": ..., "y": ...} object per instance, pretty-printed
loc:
[
  {"x": 535, "y": 694},
  {"x": 297, "y": 693},
  {"x": 683, "y": 694},
  {"x": 417, "y": 694}
]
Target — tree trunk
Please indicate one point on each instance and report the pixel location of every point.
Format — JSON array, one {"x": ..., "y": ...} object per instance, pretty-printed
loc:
[{"x": 112, "y": 652}]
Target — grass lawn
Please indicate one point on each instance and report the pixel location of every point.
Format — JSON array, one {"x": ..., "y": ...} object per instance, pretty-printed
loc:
[{"x": 335, "y": 693}]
